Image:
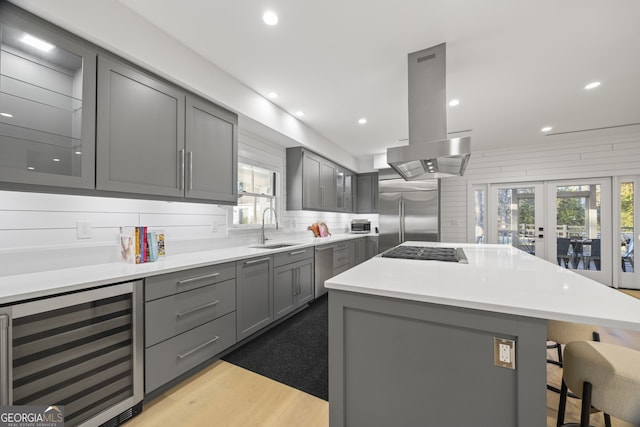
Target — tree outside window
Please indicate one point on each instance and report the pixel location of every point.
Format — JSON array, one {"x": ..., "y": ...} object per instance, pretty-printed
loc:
[{"x": 256, "y": 192}]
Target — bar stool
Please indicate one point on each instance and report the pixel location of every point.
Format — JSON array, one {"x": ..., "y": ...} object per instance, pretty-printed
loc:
[
  {"x": 606, "y": 376},
  {"x": 564, "y": 332}
]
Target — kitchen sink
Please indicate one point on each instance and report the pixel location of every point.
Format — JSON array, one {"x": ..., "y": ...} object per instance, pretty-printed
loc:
[{"x": 274, "y": 245}]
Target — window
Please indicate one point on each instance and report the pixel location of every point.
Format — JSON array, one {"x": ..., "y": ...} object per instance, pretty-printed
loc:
[{"x": 256, "y": 192}]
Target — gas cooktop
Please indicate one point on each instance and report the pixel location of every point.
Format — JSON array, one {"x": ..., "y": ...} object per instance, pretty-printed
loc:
[{"x": 427, "y": 253}]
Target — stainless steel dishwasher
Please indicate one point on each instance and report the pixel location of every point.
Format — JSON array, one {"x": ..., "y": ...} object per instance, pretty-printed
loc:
[{"x": 82, "y": 350}]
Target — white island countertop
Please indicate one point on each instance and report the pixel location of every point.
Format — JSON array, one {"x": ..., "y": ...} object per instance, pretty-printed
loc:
[{"x": 497, "y": 278}]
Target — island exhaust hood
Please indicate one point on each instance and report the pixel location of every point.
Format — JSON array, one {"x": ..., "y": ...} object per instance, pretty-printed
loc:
[{"x": 430, "y": 154}]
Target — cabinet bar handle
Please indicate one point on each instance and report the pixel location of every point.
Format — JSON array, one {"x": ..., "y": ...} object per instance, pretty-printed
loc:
[
  {"x": 255, "y": 261},
  {"x": 184, "y": 313},
  {"x": 190, "y": 155},
  {"x": 200, "y": 347},
  {"x": 193, "y": 279},
  {"x": 298, "y": 252},
  {"x": 324, "y": 249},
  {"x": 181, "y": 170}
]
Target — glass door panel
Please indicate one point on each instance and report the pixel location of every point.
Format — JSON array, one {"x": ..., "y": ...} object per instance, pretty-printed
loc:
[
  {"x": 580, "y": 220},
  {"x": 517, "y": 217},
  {"x": 628, "y": 189}
]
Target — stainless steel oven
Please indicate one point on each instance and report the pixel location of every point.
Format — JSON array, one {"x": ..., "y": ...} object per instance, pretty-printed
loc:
[
  {"x": 83, "y": 350},
  {"x": 360, "y": 226}
]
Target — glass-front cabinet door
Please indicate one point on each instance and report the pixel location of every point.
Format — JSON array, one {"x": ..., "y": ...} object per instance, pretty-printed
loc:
[{"x": 47, "y": 104}]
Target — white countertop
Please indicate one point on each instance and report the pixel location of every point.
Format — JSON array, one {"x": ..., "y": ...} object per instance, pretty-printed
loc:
[
  {"x": 497, "y": 278},
  {"x": 34, "y": 285}
]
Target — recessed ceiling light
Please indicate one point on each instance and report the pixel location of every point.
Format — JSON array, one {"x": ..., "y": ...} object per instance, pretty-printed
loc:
[
  {"x": 6, "y": 114},
  {"x": 299, "y": 113},
  {"x": 55, "y": 159},
  {"x": 454, "y": 102},
  {"x": 270, "y": 18},
  {"x": 31, "y": 168},
  {"x": 362, "y": 121},
  {"x": 78, "y": 152},
  {"x": 546, "y": 129},
  {"x": 592, "y": 85},
  {"x": 272, "y": 95},
  {"x": 37, "y": 43}
]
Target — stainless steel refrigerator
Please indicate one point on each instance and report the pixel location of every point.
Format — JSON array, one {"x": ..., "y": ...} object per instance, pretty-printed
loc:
[{"x": 408, "y": 210}]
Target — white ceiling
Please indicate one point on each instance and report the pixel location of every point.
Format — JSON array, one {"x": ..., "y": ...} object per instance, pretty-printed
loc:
[{"x": 515, "y": 65}]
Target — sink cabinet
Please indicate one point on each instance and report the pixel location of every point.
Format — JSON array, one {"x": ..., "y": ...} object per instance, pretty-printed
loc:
[
  {"x": 47, "y": 130},
  {"x": 293, "y": 280},
  {"x": 254, "y": 295}
]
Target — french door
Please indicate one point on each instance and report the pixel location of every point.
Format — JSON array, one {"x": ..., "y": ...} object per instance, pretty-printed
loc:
[
  {"x": 565, "y": 222},
  {"x": 579, "y": 216},
  {"x": 516, "y": 217},
  {"x": 627, "y": 220}
]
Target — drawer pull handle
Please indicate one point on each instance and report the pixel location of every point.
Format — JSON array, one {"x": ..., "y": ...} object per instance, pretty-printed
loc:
[
  {"x": 184, "y": 313},
  {"x": 200, "y": 347},
  {"x": 193, "y": 279},
  {"x": 323, "y": 249},
  {"x": 255, "y": 261},
  {"x": 298, "y": 252}
]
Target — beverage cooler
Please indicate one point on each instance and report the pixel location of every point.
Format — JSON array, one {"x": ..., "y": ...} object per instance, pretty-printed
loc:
[{"x": 81, "y": 350}]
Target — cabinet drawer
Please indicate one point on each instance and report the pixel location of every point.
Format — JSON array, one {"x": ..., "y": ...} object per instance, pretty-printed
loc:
[
  {"x": 340, "y": 256},
  {"x": 173, "y": 357},
  {"x": 294, "y": 255},
  {"x": 172, "y": 315},
  {"x": 182, "y": 281}
]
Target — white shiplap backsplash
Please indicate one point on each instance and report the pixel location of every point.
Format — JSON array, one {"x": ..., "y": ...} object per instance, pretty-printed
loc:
[{"x": 584, "y": 156}]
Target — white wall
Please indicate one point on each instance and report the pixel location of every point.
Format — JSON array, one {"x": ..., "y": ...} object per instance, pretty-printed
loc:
[{"x": 584, "y": 155}]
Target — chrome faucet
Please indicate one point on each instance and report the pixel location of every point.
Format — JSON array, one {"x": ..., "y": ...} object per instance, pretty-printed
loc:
[{"x": 262, "y": 238}]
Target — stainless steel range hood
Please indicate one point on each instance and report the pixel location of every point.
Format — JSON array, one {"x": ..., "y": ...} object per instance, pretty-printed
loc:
[{"x": 429, "y": 153}]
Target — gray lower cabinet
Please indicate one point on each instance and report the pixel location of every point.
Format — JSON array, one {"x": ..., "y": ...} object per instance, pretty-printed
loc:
[
  {"x": 341, "y": 257},
  {"x": 47, "y": 126},
  {"x": 254, "y": 290},
  {"x": 190, "y": 316},
  {"x": 156, "y": 139},
  {"x": 357, "y": 251},
  {"x": 293, "y": 282},
  {"x": 396, "y": 362}
]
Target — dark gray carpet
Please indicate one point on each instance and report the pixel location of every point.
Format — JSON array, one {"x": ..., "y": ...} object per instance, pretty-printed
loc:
[{"x": 294, "y": 353}]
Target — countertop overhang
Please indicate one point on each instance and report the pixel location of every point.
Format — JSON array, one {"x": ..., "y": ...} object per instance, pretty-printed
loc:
[{"x": 497, "y": 278}]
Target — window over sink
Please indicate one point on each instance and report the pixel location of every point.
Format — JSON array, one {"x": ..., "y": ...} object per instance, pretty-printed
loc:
[{"x": 256, "y": 192}]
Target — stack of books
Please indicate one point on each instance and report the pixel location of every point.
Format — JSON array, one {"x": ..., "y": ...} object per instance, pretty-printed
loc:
[{"x": 139, "y": 245}]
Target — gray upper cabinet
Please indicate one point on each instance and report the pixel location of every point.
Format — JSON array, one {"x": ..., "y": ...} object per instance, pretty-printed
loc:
[
  {"x": 211, "y": 152},
  {"x": 47, "y": 103},
  {"x": 140, "y": 132},
  {"x": 156, "y": 139},
  {"x": 367, "y": 194},
  {"x": 314, "y": 183}
]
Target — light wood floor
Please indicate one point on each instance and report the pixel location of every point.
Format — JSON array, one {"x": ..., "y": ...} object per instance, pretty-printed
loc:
[{"x": 225, "y": 395}]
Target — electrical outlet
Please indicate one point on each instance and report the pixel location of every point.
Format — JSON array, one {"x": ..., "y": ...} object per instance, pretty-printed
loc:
[
  {"x": 214, "y": 227},
  {"x": 83, "y": 229},
  {"x": 504, "y": 353}
]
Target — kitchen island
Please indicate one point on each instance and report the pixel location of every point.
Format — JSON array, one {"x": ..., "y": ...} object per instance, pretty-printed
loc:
[{"x": 412, "y": 342}]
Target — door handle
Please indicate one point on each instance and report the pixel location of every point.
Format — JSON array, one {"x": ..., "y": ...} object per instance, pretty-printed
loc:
[
  {"x": 181, "y": 170},
  {"x": 5, "y": 386}
]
